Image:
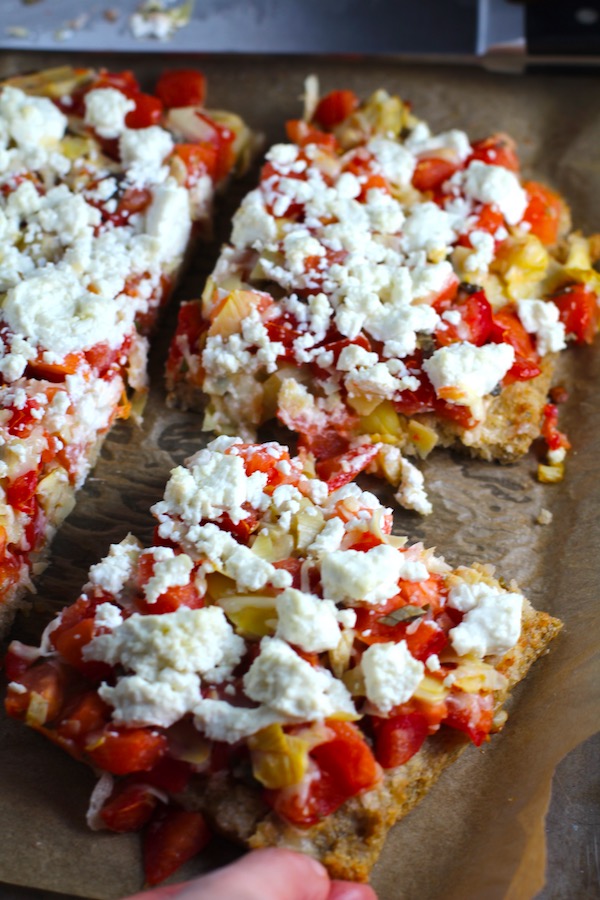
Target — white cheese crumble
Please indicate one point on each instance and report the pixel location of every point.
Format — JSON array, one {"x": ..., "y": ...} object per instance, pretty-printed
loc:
[
  {"x": 392, "y": 674},
  {"x": 115, "y": 570},
  {"x": 105, "y": 111},
  {"x": 143, "y": 152},
  {"x": 411, "y": 492},
  {"x": 492, "y": 621},
  {"x": 169, "y": 570},
  {"x": 464, "y": 373},
  {"x": 288, "y": 684},
  {"x": 168, "y": 219},
  {"x": 307, "y": 621},
  {"x": 498, "y": 186},
  {"x": 353, "y": 576},
  {"x": 541, "y": 319}
]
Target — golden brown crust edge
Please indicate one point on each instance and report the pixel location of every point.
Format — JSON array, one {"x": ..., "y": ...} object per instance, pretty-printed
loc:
[{"x": 349, "y": 842}]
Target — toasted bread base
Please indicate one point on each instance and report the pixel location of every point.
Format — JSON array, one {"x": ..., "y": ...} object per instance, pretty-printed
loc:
[{"x": 349, "y": 841}]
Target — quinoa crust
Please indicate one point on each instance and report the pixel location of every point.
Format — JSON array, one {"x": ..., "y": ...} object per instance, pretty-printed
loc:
[{"x": 349, "y": 841}]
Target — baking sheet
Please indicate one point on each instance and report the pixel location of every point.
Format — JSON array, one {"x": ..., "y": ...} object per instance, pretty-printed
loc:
[{"x": 480, "y": 832}]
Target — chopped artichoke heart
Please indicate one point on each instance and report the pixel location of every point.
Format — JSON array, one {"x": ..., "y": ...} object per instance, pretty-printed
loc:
[
  {"x": 522, "y": 261},
  {"x": 578, "y": 256},
  {"x": 308, "y": 523},
  {"x": 219, "y": 586},
  {"x": 273, "y": 546},
  {"x": 382, "y": 420},
  {"x": 431, "y": 690},
  {"x": 77, "y": 147},
  {"x": 354, "y": 680},
  {"x": 364, "y": 404},
  {"x": 278, "y": 760},
  {"x": 237, "y": 307},
  {"x": 56, "y": 496},
  {"x": 37, "y": 710},
  {"x": 473, "y": 676},
  {"x": 551, "y": 474},
  {"x": 421, "y": 437},
  {"x": 252, "y": 614}
]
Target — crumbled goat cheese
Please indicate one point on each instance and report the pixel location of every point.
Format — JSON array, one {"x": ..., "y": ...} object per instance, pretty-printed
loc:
[
  {"x": 411, "y": 490},
  {"x": 115, "y": 570},
  {"x": 168, "y": 220},
  {"x": 464, "y": 373},
  {"x": 541, "y": 319},
  {"x": 285, "y": 682},
  {"x": 169, "y": 570},
  {"x": 307, "y": 621},
  {"x": 454, "y": 142},
  {"x": 492, "y": 621},
  {"x": 392, "y": 674},
  {"x": 371, "y": 577},
  {"x": 496, "y": 185},
  {"x": 105, "y": 111},
  {"x": 483, "y": 251},
  {"x": 396, "y": 161},
  {"x": 143, "y": 152}
]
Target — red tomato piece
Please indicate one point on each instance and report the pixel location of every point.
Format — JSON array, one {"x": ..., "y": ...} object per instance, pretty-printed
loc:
[
  {"x": 240, "y": 530},
  {"x": 432, "y": 172},
  {"x": 125, "y": 81},
  {"x": 172, "y": 838},
  {"x": 129, "y": 808},
  {"x": 199, "y": 160},
  {"x": 301, "y": 133},
  {"x": 496, "y": 150},
  {"x": 346, "y": 766},
  {"x": 85, "y": 714},
  {"x": 171, "y": 599},
  {"x": 366, "y": 542},
  {"x": 398, "y": 738},
  {"x": 553, "y": 437},
  {"x": 181, "y": 87},
  {"x": 334, "y": 107},
  {"x": 292, "y": 566},
  {"x": 339, "y": 470},
  {"x": 475, "y": 323},
  {"x": 22, "y": 421},
  {"x": 543, "y": 212},
  {"x": 124, "y": 751},
  {"x": 15, "y": 662},
  {"x": 148, "y": 111},
  {"x": 489, "y": 219},
  {"x": 508, "y": 328},
  {"x": 20, "y": 493},
  {"x": 579, "y": 311},
  {"x": 169, "y": 775},
  {"x": 471, "y": 713},
  {"x": 323, "y": 445},
  {"x": 69, "y": 642},
  {"x": 54, "y": 372},
  {"x": 47, "y": 680}
]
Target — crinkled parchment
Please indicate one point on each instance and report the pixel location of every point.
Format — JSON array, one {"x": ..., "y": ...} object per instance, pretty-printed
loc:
[{"x": 480, "y": 831}]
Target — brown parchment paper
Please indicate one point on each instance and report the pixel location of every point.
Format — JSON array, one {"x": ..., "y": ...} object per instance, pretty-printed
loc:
[{"x": 480, "y": 831}]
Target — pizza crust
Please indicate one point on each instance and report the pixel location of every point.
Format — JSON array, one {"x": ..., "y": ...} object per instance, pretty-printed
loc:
[{"x": 349, "y": 841}]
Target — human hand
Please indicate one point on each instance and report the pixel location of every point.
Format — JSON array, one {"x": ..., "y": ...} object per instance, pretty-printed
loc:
[{"x": 264, "y": 875}]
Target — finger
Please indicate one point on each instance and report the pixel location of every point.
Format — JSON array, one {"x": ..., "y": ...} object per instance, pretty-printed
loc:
[
  {"x": 347, "y": 890},
  {"x": 262, "y": 875},
  {"x": 161, "y": 893}
]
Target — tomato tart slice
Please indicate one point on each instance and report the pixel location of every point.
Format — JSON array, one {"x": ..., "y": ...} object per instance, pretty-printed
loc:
[
  {"x": 101, "y": 189},
  {"x": 277, "y": 663},
  {"x": 388, "y": 286}
]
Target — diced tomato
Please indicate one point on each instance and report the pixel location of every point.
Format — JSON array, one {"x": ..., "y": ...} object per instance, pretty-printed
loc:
[
  {"x": 240, "y": 530},
  {"x": 334, "y": 107},
  {"x": 292, "y": 566},
  {"x": 133, "y": 200},
  {"x": 15, "y": 662},
  {"x": 20, "y": 493},
  {"x": 301, "y": 133},
  {"x": 366, "y": 542},
  {"x": 129, "y": 808},
  {"x": 169, "y": 775},
  {"x": 432, "y": 172},
  {"x": 543, "y": 212},
  {"x": 125, "y": 81},
  {"x": 554, "y": 438},
  {"x": 222, "y": 139},
  {"x": 22, "y": 420},
  {"x": 181, "y": 87},
  {"x": 340, "y": 470},
  {"x": 101, "y": 357},
  {"x": 488, "y": 219},
  {"x": 579, "y": 311},
  {"x": 507, "y": 328},
  {"x": 398, "y": 738},
  {"x": 190, "y": 325},
  {"x": 362, "y": 165},
  {"x": 171, "y": 599},
  {"x": 430, "y": 593},
  {"x": 475, "y": 323},
  {"x": 171, "y": 839},
  {"x": 53, "y": 372},
  {"x": 46, "y": 680},
  {"x": 336, "y": 346},
  {"x": 123, "y": 751},
  {"x": 198, "y": 159},
  {"x": 346, "y": 766},
  {"x": 496, "y": 150},
  {"x": 323, "y": 444},
  {"x": 69, "y": 642},
  {"x": 148, "y": 111},
  {"x": 471, "y": 713},
  {"x": 83, "y": 715}
]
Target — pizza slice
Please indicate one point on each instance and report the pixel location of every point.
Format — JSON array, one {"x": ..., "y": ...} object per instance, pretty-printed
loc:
[
  {"x": 388, "y": 286},
  {"x": 101, "y": 189},
  {"x": 277, "y": 662}
]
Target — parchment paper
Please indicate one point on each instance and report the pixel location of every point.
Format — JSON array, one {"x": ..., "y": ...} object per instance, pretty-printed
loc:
[{"x": 480, "y": 831}]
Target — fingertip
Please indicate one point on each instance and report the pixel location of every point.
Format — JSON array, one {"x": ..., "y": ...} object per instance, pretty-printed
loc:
[{"x": 348, "y": 890}]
